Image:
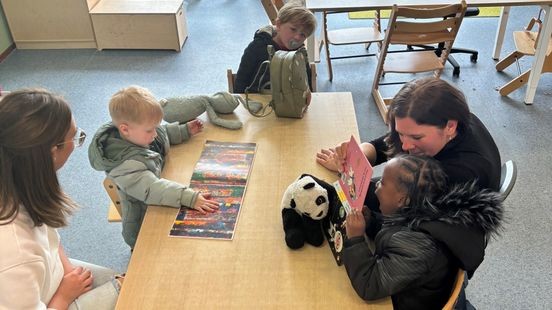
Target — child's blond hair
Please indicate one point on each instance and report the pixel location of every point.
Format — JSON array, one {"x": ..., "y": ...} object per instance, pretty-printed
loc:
[
  {"x": 293, "y": 12},
  {"x": 134, "y": 104}
]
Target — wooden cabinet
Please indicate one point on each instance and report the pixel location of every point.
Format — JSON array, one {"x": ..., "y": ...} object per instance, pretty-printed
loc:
[
  {"x": 139, "y": 24},
  {"x": 50, "y": 23}
]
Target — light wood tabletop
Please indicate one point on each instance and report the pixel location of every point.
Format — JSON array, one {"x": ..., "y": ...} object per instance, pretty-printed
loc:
[{"x": 256, "y": 270}]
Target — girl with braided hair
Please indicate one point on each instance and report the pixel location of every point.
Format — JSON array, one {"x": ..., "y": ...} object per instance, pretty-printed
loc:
[{"x": 429, "y": 231}]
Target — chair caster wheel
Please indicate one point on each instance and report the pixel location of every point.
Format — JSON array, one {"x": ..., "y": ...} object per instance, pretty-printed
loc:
[{"x": 456, "y": 72}]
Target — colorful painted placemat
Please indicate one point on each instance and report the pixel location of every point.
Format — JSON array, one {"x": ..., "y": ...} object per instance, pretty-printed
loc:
[
  {"x": 223, "y": 170},
  {"x": 483, "y": 12}
]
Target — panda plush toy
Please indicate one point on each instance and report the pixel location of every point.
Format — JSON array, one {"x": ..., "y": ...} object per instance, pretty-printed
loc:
[{"x": 304, "y": 205}]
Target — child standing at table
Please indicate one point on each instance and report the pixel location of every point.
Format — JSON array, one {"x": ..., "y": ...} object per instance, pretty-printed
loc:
[
  {"x": 293, "y": 25},
  {"x": 428, "y": 233},
  {"x": 131, "y": 149}
]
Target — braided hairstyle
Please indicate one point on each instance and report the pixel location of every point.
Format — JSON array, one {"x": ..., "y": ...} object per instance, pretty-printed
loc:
[{"x": 420, "y": 177}]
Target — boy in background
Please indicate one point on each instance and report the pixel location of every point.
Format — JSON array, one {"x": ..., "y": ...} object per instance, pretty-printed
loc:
[
  {"x": 131, "y": 149},
  {"x": 293, "y": 25}
]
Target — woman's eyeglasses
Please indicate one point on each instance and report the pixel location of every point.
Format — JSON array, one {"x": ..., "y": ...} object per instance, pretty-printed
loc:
[{"x": 79, "y": 138}]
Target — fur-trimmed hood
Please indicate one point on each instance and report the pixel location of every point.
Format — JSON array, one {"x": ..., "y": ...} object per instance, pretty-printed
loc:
[{"x": 463, "y": 219}]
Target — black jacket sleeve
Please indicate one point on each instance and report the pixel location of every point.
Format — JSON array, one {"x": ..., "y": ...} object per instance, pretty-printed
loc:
[
  {"x": 253, "y": 56},
  {"x": 397, "y": 263},
  {"x": 381, "y": 147}
]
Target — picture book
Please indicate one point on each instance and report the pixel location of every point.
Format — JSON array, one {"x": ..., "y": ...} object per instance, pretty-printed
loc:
[
  {"x": 222, "y": 170},
  {"x": 355, "y": 177},
  {"x": 351, "y": 189}
]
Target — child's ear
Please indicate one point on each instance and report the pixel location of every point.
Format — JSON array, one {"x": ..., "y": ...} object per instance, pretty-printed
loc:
[
  {"x": 278, "y": 24},
  {"x": 123, "y": 128},
  {"x": 404, "y": 201}
]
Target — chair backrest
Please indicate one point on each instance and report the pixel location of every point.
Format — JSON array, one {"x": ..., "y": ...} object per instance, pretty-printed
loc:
[
  {"x": 272, "y": 7},
  {"x": 411, "y": 32},
  {"x": 115, "y": 212},
  {"x": 508, "y": 176},
  {"x": 456, "y": 289}
]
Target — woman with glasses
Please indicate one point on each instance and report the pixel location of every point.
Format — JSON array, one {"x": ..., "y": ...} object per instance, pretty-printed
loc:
[{"x": 37, "y": 136}]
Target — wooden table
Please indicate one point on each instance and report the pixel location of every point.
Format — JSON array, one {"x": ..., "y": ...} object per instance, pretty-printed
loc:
[
  {"x": 540, "y": 53},
  {"x": 256, "y": 270}
]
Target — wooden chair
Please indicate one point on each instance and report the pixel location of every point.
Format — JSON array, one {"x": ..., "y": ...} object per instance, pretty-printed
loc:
[
  {"x": 348, "y": 36},
  {"x": 271, "y": 7},
  {"x": 456, "y": 289},
  {"x": 526, "y": 44},
  {"x": 416, "y": 26},
  {"x": 114, "y": 210},
  {"x": 231, "y": 77}
]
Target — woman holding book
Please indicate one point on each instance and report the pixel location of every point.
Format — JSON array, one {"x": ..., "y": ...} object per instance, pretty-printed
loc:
[{"x": 430, "y": 117}]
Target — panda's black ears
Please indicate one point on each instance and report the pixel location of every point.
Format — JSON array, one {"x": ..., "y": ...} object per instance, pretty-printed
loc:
[
  {"x": 310, "y": 184},
  {"x": 327, "y": 186}
]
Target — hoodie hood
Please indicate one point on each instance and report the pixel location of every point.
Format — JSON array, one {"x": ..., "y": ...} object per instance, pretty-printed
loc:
[
  {"x": 108, "y": 150},
  {"x": 462, "y": 219},
  {"x": 266, "y": 34}
]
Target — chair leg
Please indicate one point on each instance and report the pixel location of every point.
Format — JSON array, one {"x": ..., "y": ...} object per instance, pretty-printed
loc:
[
  {"x": 329, "y": 61},
  {"x": 514, "y": 84},
  {"x": 455, "y": 66},
  {"x": 381, "y": 103},
  {"x": 508, "y": 60}
]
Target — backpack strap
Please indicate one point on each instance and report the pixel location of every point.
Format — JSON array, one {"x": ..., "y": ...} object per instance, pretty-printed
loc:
[{"x": 263, "y": 89}]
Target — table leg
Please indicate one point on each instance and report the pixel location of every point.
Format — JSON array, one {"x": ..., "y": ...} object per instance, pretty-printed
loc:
[
  {"x": 540, "y": 55},
  {"x": 502, "y": 22}
]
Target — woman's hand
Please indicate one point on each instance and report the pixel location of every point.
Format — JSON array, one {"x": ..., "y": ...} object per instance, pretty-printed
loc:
[
  {"x": 355, "y": 224},
  {"x": 73, "y": 284},
  {"x": 205, "y": 204}
]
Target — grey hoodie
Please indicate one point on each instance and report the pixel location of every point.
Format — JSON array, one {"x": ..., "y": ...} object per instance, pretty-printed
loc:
[{"x": 136, "y": 171}]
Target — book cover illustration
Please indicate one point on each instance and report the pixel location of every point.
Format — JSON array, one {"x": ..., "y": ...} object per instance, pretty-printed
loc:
[
  {"x": 351, "y": 190},
  {"x": 355, "y": 177},
  {"x": 223, "y": 170}
]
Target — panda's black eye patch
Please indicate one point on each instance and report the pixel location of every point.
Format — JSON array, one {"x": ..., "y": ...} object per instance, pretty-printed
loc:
[
  {"x": 292, "y": 204},
  {"x": 320, "y": 200},
  {"x": 308, "y": 185}
]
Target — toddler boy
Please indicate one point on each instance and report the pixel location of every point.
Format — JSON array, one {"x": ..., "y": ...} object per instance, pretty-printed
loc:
[{"x": 131, "y": 149}]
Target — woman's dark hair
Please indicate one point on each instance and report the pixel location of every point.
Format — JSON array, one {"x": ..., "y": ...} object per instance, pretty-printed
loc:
[
  {"x": 32, "y": 121},
  {"x": 428, "y": 101},
  {"x": 420, "y": 177}
]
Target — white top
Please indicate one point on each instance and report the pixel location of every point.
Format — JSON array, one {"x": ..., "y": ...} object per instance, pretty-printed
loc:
[{"x": 30, "y": 265}]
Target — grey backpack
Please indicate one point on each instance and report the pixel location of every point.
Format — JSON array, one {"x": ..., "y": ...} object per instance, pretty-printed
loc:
[{"x": 288, "y": 83}]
